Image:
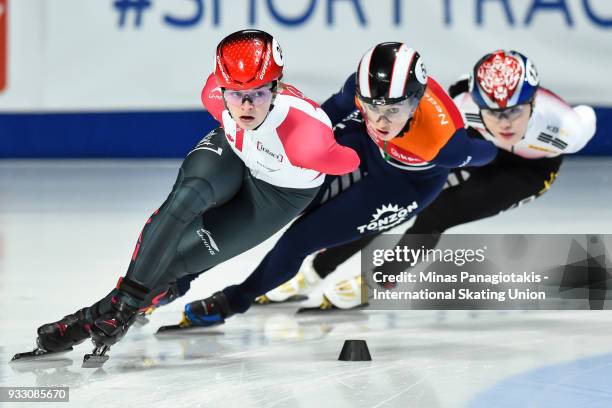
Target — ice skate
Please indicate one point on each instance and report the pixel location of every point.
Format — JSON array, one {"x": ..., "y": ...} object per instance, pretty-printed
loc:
[
  {"x": 59, "y": 337},
  {"x": 297, "y": 288},
  {"x": 346, "y": 294},
  {"x": 208, "y": 312}
]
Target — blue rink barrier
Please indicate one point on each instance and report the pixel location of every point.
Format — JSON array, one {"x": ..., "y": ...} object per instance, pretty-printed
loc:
[
  {"x": 146, "y": 134},
  {"x": 102, "y": 135}
]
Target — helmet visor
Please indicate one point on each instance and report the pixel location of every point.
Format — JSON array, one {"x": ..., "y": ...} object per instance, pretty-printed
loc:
[
  {"x": 259, "y": 96},
  {"x": 510, "y": 114},
  {"x": 398, "y": 112}
]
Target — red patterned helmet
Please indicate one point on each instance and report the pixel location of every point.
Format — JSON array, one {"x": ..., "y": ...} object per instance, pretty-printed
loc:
[
  {"x": 503, "y": 79},
  {"x": 248, "y": 59}
]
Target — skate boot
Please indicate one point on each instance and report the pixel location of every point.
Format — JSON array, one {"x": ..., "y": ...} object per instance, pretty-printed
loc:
[
  {"x": 346, "y": 293},
  {"x": 297, "y": 288},
  {"x": 109, "y": 327},
  {"x": 341, "y": 294},
  {"x": 67, "y": 332},
  {"x": 60, "y": 336},
  {"x": 207, "y": 312}
]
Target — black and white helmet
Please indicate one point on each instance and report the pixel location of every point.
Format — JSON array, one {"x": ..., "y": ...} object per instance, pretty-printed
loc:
[{"x": 389, "y": 73}]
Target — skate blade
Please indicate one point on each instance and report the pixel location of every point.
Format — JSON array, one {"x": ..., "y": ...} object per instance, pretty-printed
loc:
[
  {"x": 177, "y": 329},
  {"x": 141, "y": 321},
  {"x": 94, "y": 360},
  {"x": 264, "y": 301},
  {"x": 330, "y": 310},
  {"x": 37, "y": 354}
]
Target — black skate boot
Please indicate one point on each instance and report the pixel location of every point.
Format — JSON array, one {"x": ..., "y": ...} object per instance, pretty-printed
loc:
[
  {"x": 67, "y": 332},
  {"x": 208, "y": 312},
  {"x": 110, "y": 326},
  {"x": 60, "y": 336}
]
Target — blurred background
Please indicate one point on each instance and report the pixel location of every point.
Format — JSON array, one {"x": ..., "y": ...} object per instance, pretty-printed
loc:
[{"x": 122, "y": 78}]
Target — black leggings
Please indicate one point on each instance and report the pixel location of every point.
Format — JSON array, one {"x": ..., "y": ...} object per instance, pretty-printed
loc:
[
  {"x": 470, "y": 194},
  {"x": 216, "y": 210}
]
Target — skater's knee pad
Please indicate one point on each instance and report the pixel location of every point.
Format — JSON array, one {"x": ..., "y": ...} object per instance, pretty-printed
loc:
[{"x": 191, "y": 198}]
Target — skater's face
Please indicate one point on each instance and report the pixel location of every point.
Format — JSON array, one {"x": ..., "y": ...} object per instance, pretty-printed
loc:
[
  {"x": 386, "y": 121},
  {"x": 249, "y": 108},
  {"x": 508, "y": 126}
]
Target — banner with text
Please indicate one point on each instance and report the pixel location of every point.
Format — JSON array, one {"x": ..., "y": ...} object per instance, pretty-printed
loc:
[
  {"x": 152, "y": 56},
  {"x": 142, "y": 54}
]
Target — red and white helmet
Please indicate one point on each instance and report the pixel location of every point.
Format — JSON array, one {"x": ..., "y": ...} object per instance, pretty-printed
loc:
[
  {"x": 503, "y": 79},
  {"x": 248, "y": 59}
]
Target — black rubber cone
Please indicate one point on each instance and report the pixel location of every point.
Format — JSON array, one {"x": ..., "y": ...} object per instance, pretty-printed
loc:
[{"x": 355, "y": 350}]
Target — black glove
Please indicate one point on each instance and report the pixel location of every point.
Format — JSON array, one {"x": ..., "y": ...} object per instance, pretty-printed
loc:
[{"x": 459, "y": 87}]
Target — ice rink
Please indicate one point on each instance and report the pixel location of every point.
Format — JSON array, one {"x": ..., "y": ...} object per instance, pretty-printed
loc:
[{"x": 67, "y": 232}]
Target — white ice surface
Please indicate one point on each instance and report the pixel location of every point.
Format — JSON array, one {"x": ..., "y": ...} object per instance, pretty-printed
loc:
[{"x": 67, "y": 231}]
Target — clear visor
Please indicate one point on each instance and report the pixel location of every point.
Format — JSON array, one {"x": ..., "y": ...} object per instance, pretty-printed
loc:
[
  {"x": 258, "y": 96},
  {"x": 396, "y": 112},
  {"x": 510, "y": 114}
]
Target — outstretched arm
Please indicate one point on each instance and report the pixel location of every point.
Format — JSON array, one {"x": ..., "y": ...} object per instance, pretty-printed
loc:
[
  {"x": 310, "y": 144},
  {"x": 580, "y": 124},
  {"x": 462, "y": 150}
]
